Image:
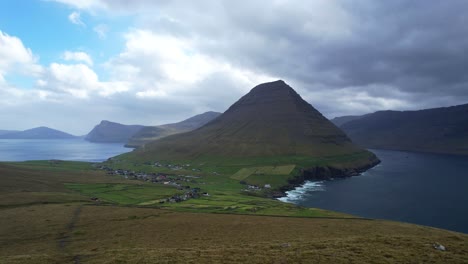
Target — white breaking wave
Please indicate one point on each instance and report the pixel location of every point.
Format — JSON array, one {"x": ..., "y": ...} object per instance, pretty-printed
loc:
[{"x": 299, "y": 192}]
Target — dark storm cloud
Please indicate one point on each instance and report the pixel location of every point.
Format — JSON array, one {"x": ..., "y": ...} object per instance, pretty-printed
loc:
[
  {"x": 417, "y": 47},
  {"x": 404, "y": 43}
]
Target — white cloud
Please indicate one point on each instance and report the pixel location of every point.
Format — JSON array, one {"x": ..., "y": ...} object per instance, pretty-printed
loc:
[
  {"x": 79, "y": 81},
  {"x": 77, "y": 56},
  {"x": 165, "y": 65},
  {"x": 75, "y": 18},
  {"x": 122, "y": 6},
  {"x": 16, "y": 58},
  {"x": 101, "y": 30},
  {"x": 76, "y": 79},
  {"x": 82, "y": 4}
]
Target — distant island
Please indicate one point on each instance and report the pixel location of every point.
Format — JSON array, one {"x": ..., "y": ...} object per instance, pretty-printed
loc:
[
  {"x": 4, "y": 132},
  {"x": 136, "y": 135},
  {"x": 36, "y": 133},
  {"x": 436, "y": 130}
]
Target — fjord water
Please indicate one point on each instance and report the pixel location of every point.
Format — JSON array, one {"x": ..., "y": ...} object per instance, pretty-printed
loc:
[
  {"x": 420, "y": 188},
  {"x": 63, "y": 149}
]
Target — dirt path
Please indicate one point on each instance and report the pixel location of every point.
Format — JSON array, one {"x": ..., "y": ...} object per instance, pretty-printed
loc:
[{"x": 66, "y": 236}]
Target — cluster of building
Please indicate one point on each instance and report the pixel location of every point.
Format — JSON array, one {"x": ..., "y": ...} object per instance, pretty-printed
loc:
[
  {"x": 191, "y": 193},
  {"x": 163, "y": 178},
  {"x": 256, "y": 187},
  {"x": 172, "y": 166},
  {"x": 160, "y": 178}
]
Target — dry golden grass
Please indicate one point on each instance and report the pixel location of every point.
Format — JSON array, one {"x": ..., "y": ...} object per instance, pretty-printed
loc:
[
  {"x": 23, "y": 184},
  {"x": 105, "y": 234}
]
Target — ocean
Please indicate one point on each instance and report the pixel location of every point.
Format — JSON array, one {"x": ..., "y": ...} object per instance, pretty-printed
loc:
[
  {"x": 421, "y": 188},
  {"x": 63, "y": 149}
]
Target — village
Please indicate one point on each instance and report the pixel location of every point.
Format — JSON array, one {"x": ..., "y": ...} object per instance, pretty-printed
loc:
[{"x": 178, "y": 181}]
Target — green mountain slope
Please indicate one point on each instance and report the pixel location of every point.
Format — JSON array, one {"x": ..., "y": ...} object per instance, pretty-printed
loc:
[{"x": 271, "y": 120}]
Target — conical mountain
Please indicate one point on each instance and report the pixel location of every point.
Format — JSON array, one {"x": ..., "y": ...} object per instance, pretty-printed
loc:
[{"x": 272, "y": 119}]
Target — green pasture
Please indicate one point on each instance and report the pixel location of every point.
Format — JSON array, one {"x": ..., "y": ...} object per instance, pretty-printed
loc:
[{"x": 125, "y": 194}]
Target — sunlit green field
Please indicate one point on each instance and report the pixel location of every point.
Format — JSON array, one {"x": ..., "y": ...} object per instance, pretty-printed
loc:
[{"x": 244, "y": 173}]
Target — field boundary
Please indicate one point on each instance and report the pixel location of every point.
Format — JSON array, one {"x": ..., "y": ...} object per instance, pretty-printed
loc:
[{"x": 244, "y": 173}]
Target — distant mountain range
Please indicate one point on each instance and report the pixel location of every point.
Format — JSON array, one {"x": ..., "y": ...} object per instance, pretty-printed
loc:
[
  {"x": 437, "y": 130},
  {"x": 36, "y": 133},
  {"x": 111, "y": 132},
  {"x": 338, "y": 121},
  {"x": 148, "y": 134},
  {"x": 137, "y": 135},
  {"x": 3, "y": 132}
]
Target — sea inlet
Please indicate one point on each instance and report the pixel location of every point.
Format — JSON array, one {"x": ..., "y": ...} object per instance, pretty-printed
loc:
[{"x": 421, "y": 188}]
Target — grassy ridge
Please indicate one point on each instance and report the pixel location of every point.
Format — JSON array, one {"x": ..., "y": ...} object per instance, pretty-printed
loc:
[
  {"x": 232, "y": 164},
  {"x": 105, "y": 234},
  {"x": 44, "y": 182},
  {"x": 124, "y": 194}
]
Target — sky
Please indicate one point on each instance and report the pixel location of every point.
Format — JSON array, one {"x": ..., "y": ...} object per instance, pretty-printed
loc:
[{"x": 69, "y": 64}]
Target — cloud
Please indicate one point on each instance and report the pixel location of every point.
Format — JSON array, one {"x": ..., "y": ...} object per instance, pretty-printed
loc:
[
  {"x": 75, "y": 18},
  {"x": 101, "y": 30},
  {"x": 16, "y": 58},
  {"x": 402, "y": 55},
  {"x": 83, "y": 4},
  {"x": 78, "y": 80},
  {"x": 77, "y": 56},
  {"x": 163, "y": 66},
  {"x": 120, "y": 6}
]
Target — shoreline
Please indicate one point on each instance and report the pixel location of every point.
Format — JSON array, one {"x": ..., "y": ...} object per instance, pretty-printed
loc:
[{"x": 322, "y": 173}]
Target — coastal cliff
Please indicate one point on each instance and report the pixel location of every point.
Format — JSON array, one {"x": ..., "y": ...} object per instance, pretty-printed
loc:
[{"x": 325, "y": 172}]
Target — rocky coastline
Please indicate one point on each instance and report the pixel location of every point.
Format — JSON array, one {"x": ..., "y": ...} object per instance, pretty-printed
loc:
[{"x": 323, "y": 173}]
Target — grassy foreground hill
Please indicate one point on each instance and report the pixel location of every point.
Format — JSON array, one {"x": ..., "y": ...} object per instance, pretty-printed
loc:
[{"x": 45, "y": 218}]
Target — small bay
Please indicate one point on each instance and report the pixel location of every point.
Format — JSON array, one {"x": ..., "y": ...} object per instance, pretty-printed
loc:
[{"x": 420, "y": 188}]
